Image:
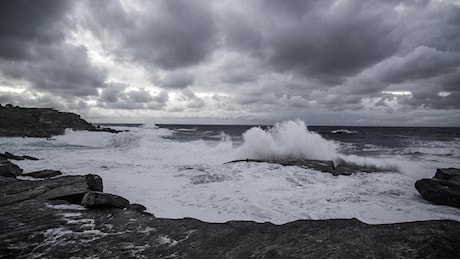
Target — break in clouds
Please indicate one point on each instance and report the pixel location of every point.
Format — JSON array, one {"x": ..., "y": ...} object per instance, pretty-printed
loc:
[{"x": 325, "y": 62}]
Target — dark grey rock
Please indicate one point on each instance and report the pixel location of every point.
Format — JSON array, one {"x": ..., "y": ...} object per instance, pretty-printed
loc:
[
  {"x": 27, "y": 157},
  {"x": 43, "y": 174},
  {"x": 70, "y": 188},
  {"x": 96, "y": 200},
  {"x": 35, "y": 227},
  {"x": 343, "y": 167},
  {"x": 9, "y": 169},
  {"x": 94, "y": 182},
  {"x": 443, "y": 188},
  {"x": 136, "y": 207},
  {"x": 40, "y": 122}
]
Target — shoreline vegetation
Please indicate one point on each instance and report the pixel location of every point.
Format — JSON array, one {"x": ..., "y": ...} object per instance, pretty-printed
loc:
[{"x": 45, "y": 214}]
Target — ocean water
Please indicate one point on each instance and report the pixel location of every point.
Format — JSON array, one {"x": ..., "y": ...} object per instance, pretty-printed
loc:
[{"x": 178, "y": 171}]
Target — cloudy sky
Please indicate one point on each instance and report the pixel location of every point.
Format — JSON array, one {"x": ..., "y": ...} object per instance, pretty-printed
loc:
[{"x": 326, "y": 62}]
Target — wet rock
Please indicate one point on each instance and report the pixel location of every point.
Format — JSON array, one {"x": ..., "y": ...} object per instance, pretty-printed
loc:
[
  {"x": 27, "y": 157},
  {"x": 9, "y": 169},
  {"x": 69, "y": 188},
  {"x": 43, "y": 174},
  {"x": 39, "y": 228},
  {"x": 10, "y": 156},
  {"x": 96, "y": 200},
  {"x": 342, "y": 168},
  {"x": 443, "y": 188},
  {"x": 94, "y": 182},
  {"x": 136, "y": 207}
]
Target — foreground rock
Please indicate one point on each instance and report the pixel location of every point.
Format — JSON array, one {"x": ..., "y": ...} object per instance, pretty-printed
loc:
[
  {"x": 343, "y": 167},
  {"x": 44, "y": 226},
  {"x": 9, "y": 169},
  {"x": 98, "y": 200},
  {"x": 43, "y": 174},
  {"x": 40, "y": 122},
  {"x": 443, "y": 188}
]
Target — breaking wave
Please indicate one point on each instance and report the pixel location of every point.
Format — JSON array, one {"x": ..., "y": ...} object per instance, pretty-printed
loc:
[
  {"x": 96, "y": 139},
  {"x": 286, "y": 140}
]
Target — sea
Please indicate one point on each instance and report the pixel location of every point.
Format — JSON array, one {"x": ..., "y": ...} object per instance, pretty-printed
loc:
[{"x": 179, "y": 171}]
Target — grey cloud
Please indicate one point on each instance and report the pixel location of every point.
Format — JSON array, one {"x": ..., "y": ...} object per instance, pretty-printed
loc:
[
  {"x": 177, "y": 80},
  {"x": 116, "y": 96},
  {"x": 33, "y": 48},
  {"x": 335, "y": 43},
  {"x": 422, "y": 63},
  {"x": 113, "y": 93},
  {"x": 166, "y": 34},
  {"x": 24, "y": 24}
]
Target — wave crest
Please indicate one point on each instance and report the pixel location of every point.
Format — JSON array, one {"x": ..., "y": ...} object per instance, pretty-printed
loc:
[{"x": 286, "y": 140}]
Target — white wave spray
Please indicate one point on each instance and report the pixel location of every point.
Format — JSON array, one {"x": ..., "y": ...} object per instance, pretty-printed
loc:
[{"x": 286, "y": 140}]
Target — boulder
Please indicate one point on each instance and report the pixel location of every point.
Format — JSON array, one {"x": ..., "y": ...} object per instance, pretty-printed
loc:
[
  {"x": 9, "y": 169},
  {"x": 70, "y": 188},
  {"x": 136, "y": 207},
  {"x": 94, "y": 182},
  {"x": 95, "y": 199},
  {"x": 443, "y": 188},
  {"x": 43, "y": 174}
]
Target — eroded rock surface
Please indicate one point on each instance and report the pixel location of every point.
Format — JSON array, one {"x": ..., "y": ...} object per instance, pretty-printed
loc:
[{"x": 35, "y": 225}]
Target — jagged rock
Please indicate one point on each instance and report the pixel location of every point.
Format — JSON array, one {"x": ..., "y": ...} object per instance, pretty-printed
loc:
[
  {"x": 70, "y": 188},
  {"x": 38, "y": 228},
  {"x": 9, "y": 169},
  {"x": 40, "y": 122},
  {"x": 95, "y": 199},
  {"x": 443, "y": 188},
  {"x": 27, "y": 157},
  {"x": 136, "y": 207},
  {"x": 43, "y": 174},
  {"x": 10, "y": 156},
  {"x": 343, "y": 167}
]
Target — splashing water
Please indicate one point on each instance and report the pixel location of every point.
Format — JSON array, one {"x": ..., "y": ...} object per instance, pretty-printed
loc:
[{"x": 286, "y": 140}]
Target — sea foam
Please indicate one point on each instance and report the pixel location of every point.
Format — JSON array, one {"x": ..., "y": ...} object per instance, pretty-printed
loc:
[{"x": 286, "y": 140}]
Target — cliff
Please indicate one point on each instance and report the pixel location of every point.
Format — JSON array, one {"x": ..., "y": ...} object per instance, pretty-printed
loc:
[{"x": 40, "y": 122}]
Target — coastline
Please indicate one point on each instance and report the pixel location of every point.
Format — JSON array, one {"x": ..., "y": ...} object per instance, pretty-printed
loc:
[{"x": 45, "y": 227}]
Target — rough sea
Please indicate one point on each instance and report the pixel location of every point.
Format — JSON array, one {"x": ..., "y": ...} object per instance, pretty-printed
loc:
[{"x": 178, "y": 171}]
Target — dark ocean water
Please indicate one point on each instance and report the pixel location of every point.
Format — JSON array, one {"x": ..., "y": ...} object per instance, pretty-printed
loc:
[{"x": 414, "y": 142}]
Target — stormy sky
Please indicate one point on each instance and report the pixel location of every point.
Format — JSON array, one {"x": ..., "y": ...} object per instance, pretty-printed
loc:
[{"x": 392, "y": 63}]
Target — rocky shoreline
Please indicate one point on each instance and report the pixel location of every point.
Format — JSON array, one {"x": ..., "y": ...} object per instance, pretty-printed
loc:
[
  {"x": 71, "y": 216},
  {"x": 41, "y": 122}
]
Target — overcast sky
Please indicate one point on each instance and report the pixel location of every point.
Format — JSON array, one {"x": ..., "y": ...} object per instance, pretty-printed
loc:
[{"x": 394, "y": 63}]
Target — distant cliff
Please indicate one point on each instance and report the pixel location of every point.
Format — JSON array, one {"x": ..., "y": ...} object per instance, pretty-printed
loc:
[{"x": 40, "y": 122}]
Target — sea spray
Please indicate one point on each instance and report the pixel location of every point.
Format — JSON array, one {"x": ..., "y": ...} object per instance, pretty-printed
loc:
[{"x": 286, "y": 140}]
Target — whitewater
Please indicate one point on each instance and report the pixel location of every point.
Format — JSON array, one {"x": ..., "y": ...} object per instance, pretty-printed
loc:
[{"x": 180, "y": 172}]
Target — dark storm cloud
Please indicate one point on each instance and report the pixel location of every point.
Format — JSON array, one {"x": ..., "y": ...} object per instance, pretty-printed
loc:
[
  {"x": 26, "y": 23},
  {"x": 329, "y": 41},
  {"x": 263, "y": 57},
  {"x": 177, "y": 80},
  {"x": 33, "y": 48},
  {"x": 166, "y": 34}
]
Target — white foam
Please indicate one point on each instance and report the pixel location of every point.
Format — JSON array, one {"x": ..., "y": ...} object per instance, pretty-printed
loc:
[
  {"x": 290, "y": 139},
  {"x": 188, "y": 179}
]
